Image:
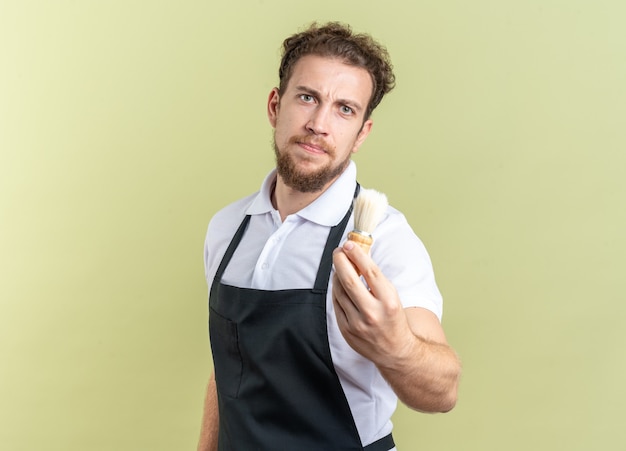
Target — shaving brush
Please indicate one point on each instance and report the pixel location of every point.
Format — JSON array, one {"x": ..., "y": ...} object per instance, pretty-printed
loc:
[{"x": 369, "y": 208}]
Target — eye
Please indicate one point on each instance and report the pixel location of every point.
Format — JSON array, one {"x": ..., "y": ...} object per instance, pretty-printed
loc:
[
  {"x": 306, "y": 98},
  {"x": 346, "y": 110}
]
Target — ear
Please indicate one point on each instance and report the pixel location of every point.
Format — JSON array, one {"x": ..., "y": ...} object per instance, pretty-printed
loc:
[
  {"x": 365, "y": 130},
  {"x": 273, "y": 104}
]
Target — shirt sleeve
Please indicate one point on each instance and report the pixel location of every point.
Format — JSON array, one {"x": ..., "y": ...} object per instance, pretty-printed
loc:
[{"x": 403, "y": 259}]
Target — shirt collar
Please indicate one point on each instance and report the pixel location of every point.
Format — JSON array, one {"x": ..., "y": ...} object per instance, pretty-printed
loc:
[
  {"x": 326, "y": 210},
  {"x": 263, "y": 201}
]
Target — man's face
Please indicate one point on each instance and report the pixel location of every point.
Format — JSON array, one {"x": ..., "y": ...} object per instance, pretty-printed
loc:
[{"x": 318, "y": 121}]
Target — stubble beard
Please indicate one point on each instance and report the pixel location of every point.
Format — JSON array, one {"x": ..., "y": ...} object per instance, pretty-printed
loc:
[{"x": 306, "y": 182}]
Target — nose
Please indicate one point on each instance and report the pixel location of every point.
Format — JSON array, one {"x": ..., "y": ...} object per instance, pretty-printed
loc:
[{"x": 318, "y": 121}]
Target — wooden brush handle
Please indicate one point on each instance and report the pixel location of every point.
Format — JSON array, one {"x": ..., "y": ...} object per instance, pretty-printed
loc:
[{"x": 364, "y": 241}]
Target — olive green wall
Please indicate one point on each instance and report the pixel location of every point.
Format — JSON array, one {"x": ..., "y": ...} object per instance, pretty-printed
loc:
[{"x": 124, "y": 125}]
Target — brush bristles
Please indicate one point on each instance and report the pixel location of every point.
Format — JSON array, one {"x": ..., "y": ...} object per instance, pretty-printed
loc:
[{"x": 369, "y": 208}]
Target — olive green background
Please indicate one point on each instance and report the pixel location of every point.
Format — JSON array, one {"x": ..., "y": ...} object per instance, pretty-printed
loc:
[{"x": 124, "y": 125}]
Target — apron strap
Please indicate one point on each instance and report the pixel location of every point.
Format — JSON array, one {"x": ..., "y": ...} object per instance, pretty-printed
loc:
[
  {"x": 231, "y": 249},
  {"x": 384, "y": 444},
  {"x": 334, "y": 238}
]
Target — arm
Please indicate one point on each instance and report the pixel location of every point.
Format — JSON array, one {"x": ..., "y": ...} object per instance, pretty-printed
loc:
[
  {"x": 210, "y": 419},
  {"x": 407, "y": 345}
]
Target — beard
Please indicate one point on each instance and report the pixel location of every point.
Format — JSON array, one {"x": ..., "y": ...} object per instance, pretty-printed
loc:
[{"x": 306, "y": 181}]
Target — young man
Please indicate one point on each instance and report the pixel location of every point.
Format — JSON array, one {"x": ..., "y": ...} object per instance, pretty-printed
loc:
[{"x": 306, "y": 355}]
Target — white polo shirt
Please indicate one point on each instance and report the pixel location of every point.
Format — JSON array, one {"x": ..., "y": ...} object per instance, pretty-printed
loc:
[{"x": 276, "y": 255}]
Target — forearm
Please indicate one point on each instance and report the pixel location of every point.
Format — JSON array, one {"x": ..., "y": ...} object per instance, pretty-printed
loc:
[
  {"x": 210, "y": 419},
  {"x": 426, "y": 376}
]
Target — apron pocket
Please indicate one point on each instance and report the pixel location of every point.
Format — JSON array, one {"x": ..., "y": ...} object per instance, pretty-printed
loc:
[{"x": 226, "y": 355}]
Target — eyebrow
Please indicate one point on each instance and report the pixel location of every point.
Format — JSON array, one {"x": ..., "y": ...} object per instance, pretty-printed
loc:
[{"x": 350, "y": 103}]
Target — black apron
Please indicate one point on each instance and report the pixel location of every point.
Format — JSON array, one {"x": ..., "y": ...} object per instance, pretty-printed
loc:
[{"x": 276, "y": 384}]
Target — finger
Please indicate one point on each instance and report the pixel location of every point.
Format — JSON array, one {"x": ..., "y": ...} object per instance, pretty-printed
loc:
[
  {"x": 342, "y": 300},
  {"x": 357, "y": 256},
  {"x": 340, "y": 313},
  {"x": 346, "y": 312},
  {"x": 347, "y": 275},
  {"x": 343, "y": 266},
  {"x": 338, "y": 304},
  {"x": 374, "y": 278}
]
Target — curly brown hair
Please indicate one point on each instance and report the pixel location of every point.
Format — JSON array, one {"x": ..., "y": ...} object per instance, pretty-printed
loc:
[{"x": 337, "y": 40}]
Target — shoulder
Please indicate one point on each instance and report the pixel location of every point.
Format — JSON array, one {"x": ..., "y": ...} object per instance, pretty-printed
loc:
[
  {"x": 396, "y": 244},
  {"x": 221, "y": 228},
  {"x": 230, "y": 216},
  {"x": 403, "y": 258},
  {"x": 394, "y": 230}
]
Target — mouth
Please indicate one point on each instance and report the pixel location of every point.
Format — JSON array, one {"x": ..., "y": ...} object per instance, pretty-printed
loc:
[
  {"x": 312, "y": 145},
  {"x": 312, "y": 148}
]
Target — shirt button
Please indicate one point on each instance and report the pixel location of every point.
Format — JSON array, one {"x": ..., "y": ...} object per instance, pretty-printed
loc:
[{"x": 265, "y": 266}]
